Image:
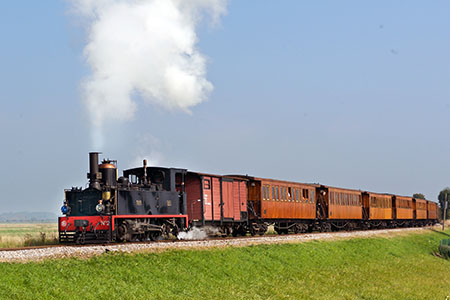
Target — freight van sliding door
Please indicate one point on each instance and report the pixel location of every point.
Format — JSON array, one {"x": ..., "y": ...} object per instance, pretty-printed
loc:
[{"x": 227, "y": 198}]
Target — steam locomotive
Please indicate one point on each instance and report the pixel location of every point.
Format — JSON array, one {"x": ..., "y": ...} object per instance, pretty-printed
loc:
[
  {"x": 151, "y": 203},
  {"x": 144, "y": 203}
]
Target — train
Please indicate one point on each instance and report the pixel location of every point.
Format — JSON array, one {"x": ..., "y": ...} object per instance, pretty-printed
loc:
[{"x": 153, "y": 203}]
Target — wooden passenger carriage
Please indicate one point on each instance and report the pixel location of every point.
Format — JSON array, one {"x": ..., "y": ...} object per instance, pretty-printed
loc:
[
  {"x": 420, "y": 209},
  {"x": 377, "y": 207},
  {"x": 287, "y": 205},
  {"x": 403, "y": 208},
  {"x": 432, "y": 210}
]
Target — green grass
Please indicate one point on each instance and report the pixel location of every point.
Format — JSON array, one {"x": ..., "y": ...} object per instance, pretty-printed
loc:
[
  {"x": 18, "y": 235},
  {"x": 401, "y": 267}
]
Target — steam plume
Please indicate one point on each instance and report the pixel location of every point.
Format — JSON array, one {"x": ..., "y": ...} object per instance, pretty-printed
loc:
[{"x": 144, "y": 48}]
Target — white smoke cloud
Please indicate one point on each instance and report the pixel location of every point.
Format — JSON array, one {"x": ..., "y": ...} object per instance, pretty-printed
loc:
[
  {"x": 149, "y": 148},
  {"x": 196, "y": 233},
  {"x": 144, "y": 48}
]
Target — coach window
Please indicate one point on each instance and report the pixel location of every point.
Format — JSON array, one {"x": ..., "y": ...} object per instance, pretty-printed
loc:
[
  {"x": 264, "y": 192},
  {"x": 278, "y": 194},
  {"x": 273, "y": 194}
]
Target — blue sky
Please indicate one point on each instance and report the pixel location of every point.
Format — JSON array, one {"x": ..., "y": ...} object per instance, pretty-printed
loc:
[{"x": 345, "y": 93}]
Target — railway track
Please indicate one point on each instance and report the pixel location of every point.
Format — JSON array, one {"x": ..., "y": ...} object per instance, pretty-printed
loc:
[{"x": 36, "y": 253}]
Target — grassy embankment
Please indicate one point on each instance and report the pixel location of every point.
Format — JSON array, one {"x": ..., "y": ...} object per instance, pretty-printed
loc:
[
  {"x": 401, "y": 267},
  {"x": 18, "y": 235}
]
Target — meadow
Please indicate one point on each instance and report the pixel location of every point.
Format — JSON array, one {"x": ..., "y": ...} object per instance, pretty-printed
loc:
[
  {"x": 400, "y": 267},
  {"x": 31, "y": 234}
]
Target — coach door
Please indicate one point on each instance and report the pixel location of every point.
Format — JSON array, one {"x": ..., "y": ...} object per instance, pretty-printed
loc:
[{"x": 227, "y": 198}]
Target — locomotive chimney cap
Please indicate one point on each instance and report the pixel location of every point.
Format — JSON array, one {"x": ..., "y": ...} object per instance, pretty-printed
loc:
[{"x": 107, "y": 166}]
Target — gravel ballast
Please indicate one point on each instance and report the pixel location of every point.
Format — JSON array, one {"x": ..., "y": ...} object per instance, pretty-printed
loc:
[{"x": 89, "y": 251}]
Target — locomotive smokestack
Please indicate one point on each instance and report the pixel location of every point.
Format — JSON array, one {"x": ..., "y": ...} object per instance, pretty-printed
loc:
[
  {"x": 93, "y": 171},
  {"x": 145, "y": 171}
]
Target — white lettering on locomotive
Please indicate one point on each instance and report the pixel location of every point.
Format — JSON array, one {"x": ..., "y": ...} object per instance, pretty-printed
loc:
[{"x": 104, "y": 223}]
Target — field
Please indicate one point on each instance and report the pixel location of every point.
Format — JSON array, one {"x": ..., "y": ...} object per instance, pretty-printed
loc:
[
  {"x": 400, "y": 267},
  {"x": 18, "y": 235}
]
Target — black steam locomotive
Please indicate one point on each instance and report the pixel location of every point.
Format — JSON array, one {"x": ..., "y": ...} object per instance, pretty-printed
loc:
[{"x": 145, "y": 203}]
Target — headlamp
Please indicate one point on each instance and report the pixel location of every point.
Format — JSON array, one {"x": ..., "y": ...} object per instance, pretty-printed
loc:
[
  {"x": 64, "y": 209},
  {"x": 100, "y": 208}
]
